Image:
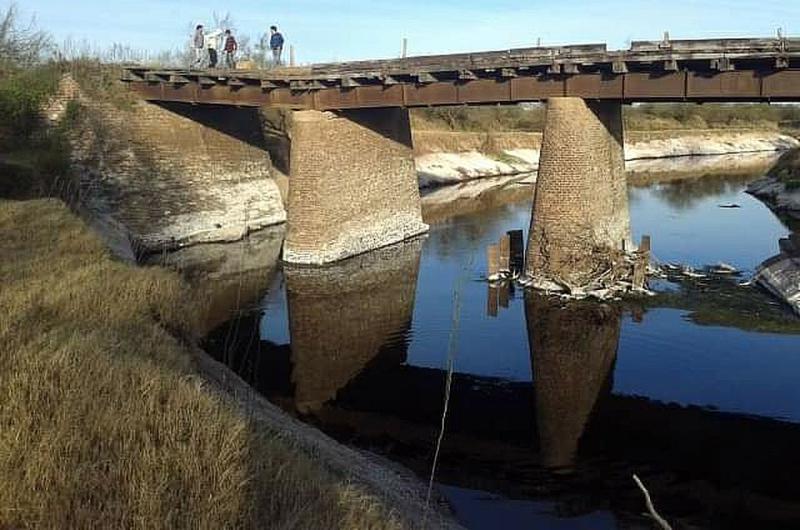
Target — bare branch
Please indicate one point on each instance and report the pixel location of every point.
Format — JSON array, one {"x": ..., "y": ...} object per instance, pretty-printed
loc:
[
  {"x": 650, "y": 508},
  {"x": 21, "y": 46}
]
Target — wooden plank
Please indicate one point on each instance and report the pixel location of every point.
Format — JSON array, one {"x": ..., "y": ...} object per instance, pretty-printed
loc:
[
  {"x": 655, "y": 85},
  {"x": 492, "y": 299},
  {"x": 285, "y": 97},
  {"x": 595, "y": 86},
  {"x": 742, "y": 84},
  {"x": 337, "y": 98},
  {"x": 782, "y": 84},
  {"x": 504, "y": 248},
  {"x": 537, "y": 88},
  {"x": 517, "y": 251},
  {"x": 432, "y": 94},
  {"x": 504, "y": 294},
  {"x": 641, "y": 263},
  {"x": 492, "y": 261},
  {"x": 485, "y": 90}
]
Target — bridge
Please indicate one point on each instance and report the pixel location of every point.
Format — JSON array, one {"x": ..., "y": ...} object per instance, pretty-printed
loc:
[
  {"x": 681, "y": 70},
  {"x": 341, "y": 132}
]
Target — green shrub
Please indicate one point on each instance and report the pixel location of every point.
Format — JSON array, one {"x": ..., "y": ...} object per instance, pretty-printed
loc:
[{"x": 22, "y": 94}]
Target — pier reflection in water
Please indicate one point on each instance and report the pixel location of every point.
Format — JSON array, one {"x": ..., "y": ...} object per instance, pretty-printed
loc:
[
  {"x": 573, "y": 348},
  {"x": 553, "y": 403},
  {"x": 230, "y": 277},
  {"x": 344, "y": 317}
]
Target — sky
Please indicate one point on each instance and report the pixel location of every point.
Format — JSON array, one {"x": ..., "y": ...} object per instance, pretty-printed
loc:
[{"x": 328, "y": 30}]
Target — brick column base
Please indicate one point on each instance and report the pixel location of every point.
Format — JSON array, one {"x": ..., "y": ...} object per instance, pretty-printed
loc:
[
  {"x": 352, "y": 186},
  {"x": 580, "y": 210}
]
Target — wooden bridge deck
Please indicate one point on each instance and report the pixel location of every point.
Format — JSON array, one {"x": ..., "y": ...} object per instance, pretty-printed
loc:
[{"x": 685, "y": 70}]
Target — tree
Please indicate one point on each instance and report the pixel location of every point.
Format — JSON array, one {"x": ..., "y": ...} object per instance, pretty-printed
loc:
[{"x": 21, "y": 46}]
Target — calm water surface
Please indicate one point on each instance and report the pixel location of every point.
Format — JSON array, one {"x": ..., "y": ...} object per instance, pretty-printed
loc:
[{"x": 552, "y": 407}]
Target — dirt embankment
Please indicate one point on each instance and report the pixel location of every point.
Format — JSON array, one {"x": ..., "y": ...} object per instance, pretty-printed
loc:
[
  {"x": 113, "y": 418},
  {"x": 780, "y": 189},
  {"x": 449, "y": 157}
]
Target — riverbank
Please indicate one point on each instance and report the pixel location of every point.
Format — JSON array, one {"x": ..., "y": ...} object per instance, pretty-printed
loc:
[
  {"x": 112, "y": 417},
  {"x": 444, "y": 157},
  {"x": 780, "y": 189}
]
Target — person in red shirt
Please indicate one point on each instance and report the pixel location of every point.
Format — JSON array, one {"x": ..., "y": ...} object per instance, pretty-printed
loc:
[{"x": 230, "y": 49}]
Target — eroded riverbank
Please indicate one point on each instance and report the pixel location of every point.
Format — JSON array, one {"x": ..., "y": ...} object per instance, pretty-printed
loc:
[{"x": 447, "y": 158}]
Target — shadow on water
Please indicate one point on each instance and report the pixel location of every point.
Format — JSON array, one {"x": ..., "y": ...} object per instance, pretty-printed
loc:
[
  {"x": 230, "y": 277},
  {"x": 573, "y": 349},
  {"x": 687, "y": 193},
  {"x": 565, "y": 438},
  {"x": 347, "y": 318},
  {"x": 705, "y": 415}
]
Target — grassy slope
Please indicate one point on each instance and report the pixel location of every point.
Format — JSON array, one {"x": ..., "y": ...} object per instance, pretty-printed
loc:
[
  {"x": 787, "y": 170},
  {"x": 661, "y": 117},
  {"x": 104, "y": 419}
]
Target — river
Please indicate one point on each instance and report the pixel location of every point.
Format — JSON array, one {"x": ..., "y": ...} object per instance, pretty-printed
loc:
[{"x": 551, "y": 407}]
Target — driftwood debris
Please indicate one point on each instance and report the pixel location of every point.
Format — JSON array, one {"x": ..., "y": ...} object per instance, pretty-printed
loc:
[
  {"x": 617, "y": 273},
  {"x": 650, "y": 507}
]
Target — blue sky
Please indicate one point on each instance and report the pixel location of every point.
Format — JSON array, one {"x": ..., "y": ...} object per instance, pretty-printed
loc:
[{"x": 323, "y": 30}]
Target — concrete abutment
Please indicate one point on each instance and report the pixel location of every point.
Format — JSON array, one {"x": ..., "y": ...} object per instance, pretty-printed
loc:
[
  {"x": 353, "y": 185},
  {"x": 580, "y": 212},
  {"x": 161, "y": 177}
]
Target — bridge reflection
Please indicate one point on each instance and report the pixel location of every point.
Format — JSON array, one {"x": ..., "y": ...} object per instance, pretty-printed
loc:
[
  {"x": 565, "y": 436},
  {"x": 573, "y": 349},
  {"x": 345, "y": 317}
]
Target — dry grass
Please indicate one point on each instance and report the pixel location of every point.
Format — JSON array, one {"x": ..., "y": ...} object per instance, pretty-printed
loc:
[
  {"x": 487, "y": 142},
  {"x": 105, "y": 422},
  {"x": 787, "y": 169},
  {"x": 672, "y": 117}
]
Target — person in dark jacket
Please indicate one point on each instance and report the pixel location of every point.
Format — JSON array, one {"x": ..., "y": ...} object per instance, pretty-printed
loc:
[
  {"x": 230, "y": 48},
  {"x": 211, "y": 43},
  {"x": 276, "y": 45}
]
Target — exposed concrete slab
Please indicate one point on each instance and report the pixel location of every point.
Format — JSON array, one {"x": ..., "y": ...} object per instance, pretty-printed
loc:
[{"x": 780, "y": 275}]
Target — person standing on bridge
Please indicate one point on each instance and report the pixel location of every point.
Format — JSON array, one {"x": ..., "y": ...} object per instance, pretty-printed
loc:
[
  {"x": 198, "y": 44},
  {"x": 276, "y": 45},
  {"x": 230, "y": 48},
  {"x": 212, "y": 43}
]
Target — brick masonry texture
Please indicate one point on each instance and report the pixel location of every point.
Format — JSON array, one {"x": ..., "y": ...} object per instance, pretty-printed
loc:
[
  {"x": 171, "y": 177},
  {"x": 353, "y": 184},
  {"x": 573, "y": 348},
  {"x": 348, "y": 315},
  {"x": 580, "y": 206}
]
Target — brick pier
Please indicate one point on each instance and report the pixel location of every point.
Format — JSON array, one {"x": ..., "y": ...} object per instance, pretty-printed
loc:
[
  {"x": 580, "y": 210},
  {"x": 353, "y": 184}
]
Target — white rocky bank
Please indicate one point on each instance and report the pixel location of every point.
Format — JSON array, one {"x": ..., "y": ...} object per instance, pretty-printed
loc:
[{"x": 435, "y": 169}]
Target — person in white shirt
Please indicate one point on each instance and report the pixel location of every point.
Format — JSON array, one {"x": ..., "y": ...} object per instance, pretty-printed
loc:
[
  {"x": 212, "y": 43},
  {"x": 198, "y": 45}
]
